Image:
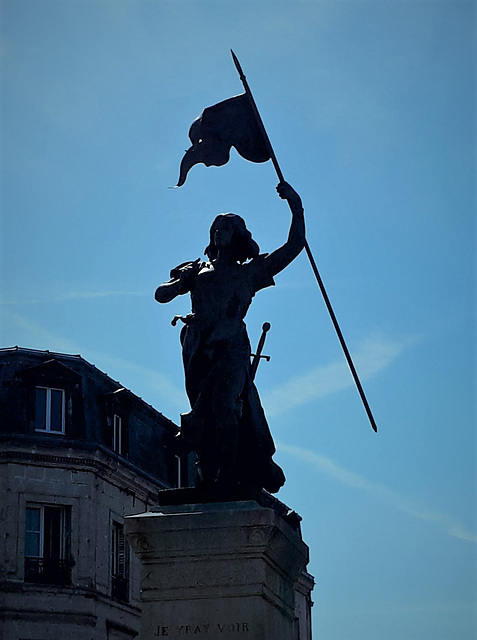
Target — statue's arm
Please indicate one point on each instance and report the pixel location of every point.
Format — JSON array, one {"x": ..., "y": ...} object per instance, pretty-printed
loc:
[
  {"x": 281, "y": 257},
  {"x": 168, "y": 291},
  {"x": 181, "y": 281}
]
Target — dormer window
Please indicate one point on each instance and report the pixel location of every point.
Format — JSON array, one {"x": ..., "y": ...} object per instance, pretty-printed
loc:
[{"x": 49, "y": 410}]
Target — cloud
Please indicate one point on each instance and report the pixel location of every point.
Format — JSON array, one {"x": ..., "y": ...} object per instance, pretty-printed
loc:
[
  {"x": 71, "y": 295},
  {"x": 28, "y": 333},
  {"x": 372, "y": 356},
  {"x": 459, "y": 531},
  {"x": 157, "y": 384},
  {"x": 158, "y": 387},
  {"x": 399, "y": 501}
]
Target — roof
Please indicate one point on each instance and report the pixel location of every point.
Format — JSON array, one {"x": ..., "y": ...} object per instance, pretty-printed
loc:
[{"x": 82, "y": 363}]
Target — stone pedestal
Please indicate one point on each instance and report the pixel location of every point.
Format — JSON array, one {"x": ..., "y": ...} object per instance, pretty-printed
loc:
[{"x": 218, "y": 570}]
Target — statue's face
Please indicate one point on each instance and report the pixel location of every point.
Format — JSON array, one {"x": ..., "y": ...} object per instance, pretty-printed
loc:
[{"x": 224, "y": 231}]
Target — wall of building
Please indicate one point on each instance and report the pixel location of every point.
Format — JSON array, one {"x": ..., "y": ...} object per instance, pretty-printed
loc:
[
  {"x": 98, "y": 493},
  {"x": 92, "y": 399},
  {"x": 79, "y": 486},
  {"x": 80, "y": 476}
]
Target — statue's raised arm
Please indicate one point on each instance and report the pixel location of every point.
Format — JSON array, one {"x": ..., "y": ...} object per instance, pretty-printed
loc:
[{"x": 281, "y": 258}]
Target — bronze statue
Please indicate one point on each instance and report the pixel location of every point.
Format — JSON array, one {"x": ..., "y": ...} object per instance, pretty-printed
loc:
[{"x": 226, "y": 426}]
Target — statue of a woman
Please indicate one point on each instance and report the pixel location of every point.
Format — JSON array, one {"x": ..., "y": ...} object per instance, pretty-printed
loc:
[{"x": 226, "y": 426}]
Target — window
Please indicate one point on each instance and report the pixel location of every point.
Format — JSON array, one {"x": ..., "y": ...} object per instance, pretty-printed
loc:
[
  {"x": 47, "y": 532},
  {"x": 179, "y": 471},
  {"x": 117, "y": 434},
  {"x": 49, "y": 410},
  {"x": 119, "y": 564}
]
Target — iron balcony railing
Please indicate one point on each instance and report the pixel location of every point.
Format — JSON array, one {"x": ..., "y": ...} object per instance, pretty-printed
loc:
[
  {"x": 43, "y": 571},
  {"x": 120, "y": 588}
]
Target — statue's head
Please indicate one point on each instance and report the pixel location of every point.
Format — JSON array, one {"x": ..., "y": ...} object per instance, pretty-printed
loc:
[{"x": 229, "y": 231}]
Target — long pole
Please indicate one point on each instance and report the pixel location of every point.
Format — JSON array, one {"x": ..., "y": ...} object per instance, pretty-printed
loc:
[{"x": 307, "y": 249}]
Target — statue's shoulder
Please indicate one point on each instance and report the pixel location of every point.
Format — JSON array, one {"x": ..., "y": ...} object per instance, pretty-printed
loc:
[
  {"x": 257, "y": 263},
  {"x": 257, "y": 272},
  {"x": 190, "y": 265}
]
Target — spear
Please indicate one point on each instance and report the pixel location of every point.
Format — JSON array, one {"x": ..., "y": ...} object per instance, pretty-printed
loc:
[{"x": 307, "y": 247}]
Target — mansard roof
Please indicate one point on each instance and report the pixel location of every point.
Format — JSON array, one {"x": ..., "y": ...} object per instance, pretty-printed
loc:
[{"x": 45, "y": 362}]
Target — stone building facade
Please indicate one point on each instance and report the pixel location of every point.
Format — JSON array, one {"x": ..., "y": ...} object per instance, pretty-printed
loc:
[{"x": 78, "y": 452}]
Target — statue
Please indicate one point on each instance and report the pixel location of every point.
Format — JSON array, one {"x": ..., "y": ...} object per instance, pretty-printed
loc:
[{"x": 226, "y": 426}]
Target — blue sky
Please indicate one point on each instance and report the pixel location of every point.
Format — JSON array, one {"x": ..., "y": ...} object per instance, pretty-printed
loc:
[{"x": 370, "y": 107}]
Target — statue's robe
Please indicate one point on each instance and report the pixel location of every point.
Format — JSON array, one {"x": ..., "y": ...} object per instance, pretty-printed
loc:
[{"x": 226, "y": 424}]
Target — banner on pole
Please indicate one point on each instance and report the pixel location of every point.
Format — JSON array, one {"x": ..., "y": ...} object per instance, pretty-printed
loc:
[{"x": 230, "y": 123}]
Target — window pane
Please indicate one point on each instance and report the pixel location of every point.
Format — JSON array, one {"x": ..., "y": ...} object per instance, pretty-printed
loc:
[
  {"x": 117, "y": 444},
  {"x": 32, "y": 519},
  {"x": 56, "y": 421},
  {"x": 40, "y": 408},
  {"x": 53, "y": 544},
  {"x": 32, "y": 532},
  {"x": 32, "y": 544}
]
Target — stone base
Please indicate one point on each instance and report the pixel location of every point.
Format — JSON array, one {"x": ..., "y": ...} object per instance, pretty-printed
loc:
[{"x": 218, "y": 570}]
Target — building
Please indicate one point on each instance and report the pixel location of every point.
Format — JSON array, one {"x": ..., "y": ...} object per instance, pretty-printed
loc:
[{"x": 78, "y": 452}]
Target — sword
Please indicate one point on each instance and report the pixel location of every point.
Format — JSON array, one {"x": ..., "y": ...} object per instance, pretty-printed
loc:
[{"x": 258, "y": 355}]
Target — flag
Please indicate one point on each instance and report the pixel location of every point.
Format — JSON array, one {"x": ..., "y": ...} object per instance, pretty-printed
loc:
[{"x": 230, "y": 123}]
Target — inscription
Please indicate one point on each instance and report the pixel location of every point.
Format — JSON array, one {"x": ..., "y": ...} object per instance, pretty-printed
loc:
[{"x": 196, "y": 629}]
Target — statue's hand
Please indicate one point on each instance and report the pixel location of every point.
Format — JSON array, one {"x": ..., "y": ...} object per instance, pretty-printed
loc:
[
  {"x": 186, "y": 274},
  {"x": 287, "y": 192}
]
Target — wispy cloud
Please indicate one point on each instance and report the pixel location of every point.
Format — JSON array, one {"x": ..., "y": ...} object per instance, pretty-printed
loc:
[
  {"x": 29, "y": 333},
  {"x": 154, "y": 385},
  {"x": 372, "y": 356},
  {"x": 399, "y": 501},
  {"x": 70, "y": 295}
]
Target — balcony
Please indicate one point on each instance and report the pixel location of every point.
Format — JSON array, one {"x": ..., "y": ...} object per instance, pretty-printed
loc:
[
  {"x": 43, "y": 571},
  {"x": 120, "y": 588}
]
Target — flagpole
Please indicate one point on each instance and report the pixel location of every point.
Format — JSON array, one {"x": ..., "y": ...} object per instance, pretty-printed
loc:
[{"x": 307, "y": 249}]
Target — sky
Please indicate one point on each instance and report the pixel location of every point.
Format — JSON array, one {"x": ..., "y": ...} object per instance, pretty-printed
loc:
[{"x": 370, "y": 108}]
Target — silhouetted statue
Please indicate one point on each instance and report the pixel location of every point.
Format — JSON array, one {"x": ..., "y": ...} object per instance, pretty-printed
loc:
[{"x": 226, "y": 426}]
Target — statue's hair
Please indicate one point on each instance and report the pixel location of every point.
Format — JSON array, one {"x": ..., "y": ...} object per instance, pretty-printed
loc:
[{"x": 243, "y": 245}]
